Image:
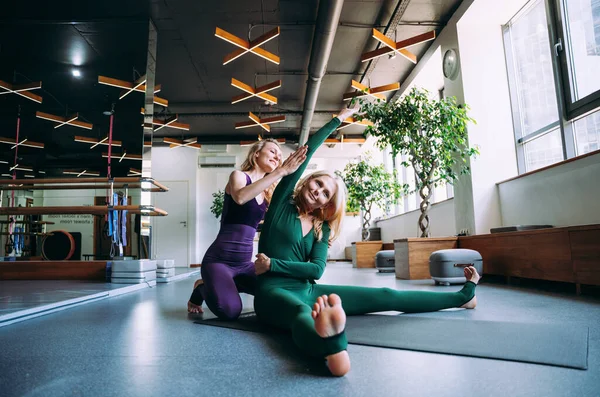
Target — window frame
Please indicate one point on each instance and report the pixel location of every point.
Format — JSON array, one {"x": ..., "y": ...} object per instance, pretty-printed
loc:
[{"x": 555, "y": 10}]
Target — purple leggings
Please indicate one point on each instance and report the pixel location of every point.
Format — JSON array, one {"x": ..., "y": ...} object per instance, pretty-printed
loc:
[{"x": 227, "y": 269}]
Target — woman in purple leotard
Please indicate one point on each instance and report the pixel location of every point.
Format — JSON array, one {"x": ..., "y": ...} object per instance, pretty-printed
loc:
[{"x": 227, "y": 267}]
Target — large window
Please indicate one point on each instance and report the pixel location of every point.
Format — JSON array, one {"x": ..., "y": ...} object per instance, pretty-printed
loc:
[{"x": 553, "y": 59}]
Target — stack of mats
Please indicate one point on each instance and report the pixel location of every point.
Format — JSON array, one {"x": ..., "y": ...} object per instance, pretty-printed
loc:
[
  {"x": 133, "y": 271},
  {"x": 165, "y": 268}
]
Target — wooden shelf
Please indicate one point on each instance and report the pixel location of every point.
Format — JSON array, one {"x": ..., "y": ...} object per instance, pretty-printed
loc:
[
  {"x": 85, "y": 183},
  {"x": 90, "y": 209},
  {"x": 567, "y": 254}
]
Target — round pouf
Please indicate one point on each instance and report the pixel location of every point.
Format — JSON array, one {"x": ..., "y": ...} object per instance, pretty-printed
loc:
[
  {"x": 59, "y": 246},
  {"x": 446, "y": 266}
]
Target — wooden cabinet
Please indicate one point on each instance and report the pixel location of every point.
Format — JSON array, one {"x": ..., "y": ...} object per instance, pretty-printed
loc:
[{"x": 568, "y": 254}]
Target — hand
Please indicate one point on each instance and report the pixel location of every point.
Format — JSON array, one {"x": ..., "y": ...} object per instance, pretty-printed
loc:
[
  {"x": 291, "y": 164},
  {"x": 348, "y": 112},
  {"x": 262, "y": 264}
]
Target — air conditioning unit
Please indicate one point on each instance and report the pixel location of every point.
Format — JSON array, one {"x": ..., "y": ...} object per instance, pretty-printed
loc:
[
  {"x": 213, "y": 149},
  {"x": 216, "y": 161}
]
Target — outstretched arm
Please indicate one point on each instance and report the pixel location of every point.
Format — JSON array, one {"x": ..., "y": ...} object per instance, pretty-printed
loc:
[
  {"x": 286, "y": 186},
  {"x": 242, "y": 193}
]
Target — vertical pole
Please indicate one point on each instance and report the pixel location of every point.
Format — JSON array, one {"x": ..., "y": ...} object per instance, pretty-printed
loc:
[{"x": 145, "y": 238}]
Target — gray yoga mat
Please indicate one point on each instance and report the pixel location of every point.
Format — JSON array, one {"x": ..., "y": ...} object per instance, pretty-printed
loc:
[{"x": 550, "y": 344}]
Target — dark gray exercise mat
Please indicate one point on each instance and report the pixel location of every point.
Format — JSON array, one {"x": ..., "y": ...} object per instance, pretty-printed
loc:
[{"x": 551, "y": 344}]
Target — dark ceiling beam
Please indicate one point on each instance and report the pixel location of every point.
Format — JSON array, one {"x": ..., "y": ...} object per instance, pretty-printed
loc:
[
  {"x": 327, "y": 22},
  {"x": 245, "y": 114},
  {"x": 85, "y": 21},
  {"x": 389, "y": 31}
]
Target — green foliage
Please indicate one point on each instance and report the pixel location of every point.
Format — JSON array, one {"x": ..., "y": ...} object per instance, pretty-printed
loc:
[
  {"x": 217, "y": 204},
  {"x": 369, "y": 185},
  {"x": 432, "y": 133}
]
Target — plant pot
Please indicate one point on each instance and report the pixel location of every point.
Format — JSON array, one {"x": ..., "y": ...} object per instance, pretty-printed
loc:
[
  {"x": 412, "y": 255},
  {"x": 363, "y": 253},
  {"x": 374, "y": 234}
]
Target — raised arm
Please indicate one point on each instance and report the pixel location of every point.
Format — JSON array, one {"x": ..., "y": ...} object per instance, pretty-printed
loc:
[
  {"x": 242, "y": 193},
  {"x": 286, "y": 186}
]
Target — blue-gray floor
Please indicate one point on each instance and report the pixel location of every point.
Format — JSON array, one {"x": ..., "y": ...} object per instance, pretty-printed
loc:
[{"x": 145, "y": 344}]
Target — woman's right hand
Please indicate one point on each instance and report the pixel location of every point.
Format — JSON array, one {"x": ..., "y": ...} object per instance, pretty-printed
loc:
[{"x": 291, "y": 164}]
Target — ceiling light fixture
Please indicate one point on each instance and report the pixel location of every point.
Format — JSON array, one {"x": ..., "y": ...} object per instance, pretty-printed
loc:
[
  {"x": 249, "y": 46},
  {"x": 24, "y": 142},
  {"x": 175, "y": 143},
  {"x": 71, "y": 120},
  {"x": 374, "y": 92},
  {"x": 351, "y": 120},
  {"x": 76, "y": 73},
  {"x": 399, "y": 47},
  {"x": 95, "y": 142},
  {"x": 139, "y": 86},
  {"x": 22, "y": 90},
  {"x": 260, "y": 92},
  {"x": 169, "y": 122},
  {"x": 256, "y": 121}
]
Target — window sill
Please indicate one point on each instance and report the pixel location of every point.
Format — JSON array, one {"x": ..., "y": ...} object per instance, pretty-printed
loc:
[{"x": 551, "y": 166}]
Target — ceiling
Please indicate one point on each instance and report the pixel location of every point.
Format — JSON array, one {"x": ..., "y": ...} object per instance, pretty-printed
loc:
[{"x": 42, "y": 42}]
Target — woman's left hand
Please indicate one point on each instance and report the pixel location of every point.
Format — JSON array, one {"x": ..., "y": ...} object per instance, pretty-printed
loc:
[{"x": 262, "y": 264}]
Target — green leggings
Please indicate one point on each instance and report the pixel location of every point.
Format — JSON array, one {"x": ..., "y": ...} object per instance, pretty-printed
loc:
[{"x": 290, "y": 308}]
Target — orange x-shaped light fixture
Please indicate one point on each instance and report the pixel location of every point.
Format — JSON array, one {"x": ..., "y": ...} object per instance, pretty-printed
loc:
[
  {"x": 22, "y": 90},
  {"x": 263, "y": 123},
  {"x": 351, "y": 120},
  {"x": 259, "y": 92},
  {"x": 123, "y": 156},
  {"x": 249, "y": 46},
  {"x": 24, "y": 142},
  {"x": 20, "y": 168},
  {"x": 134, "y": 172},
  {"x": 374, "y": 92},
  {"x": 80, "y": 173},
  {"x": 139, "y": 85},
  {"x": 175, "y": 143},
  {"x": 95, "y": 142},
  {"x": 71, "y": 120},
  {"x": 170, "y": 122},
  {"x": 400, "y": 47}
]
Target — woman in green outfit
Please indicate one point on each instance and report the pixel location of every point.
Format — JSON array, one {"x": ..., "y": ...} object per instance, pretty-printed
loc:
[{"x": 299, "y": 226}]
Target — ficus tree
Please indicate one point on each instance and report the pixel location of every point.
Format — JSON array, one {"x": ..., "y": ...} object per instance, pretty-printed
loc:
[
  {"x": 431, "y": 133},
  {"x": 370, "y": 185}
]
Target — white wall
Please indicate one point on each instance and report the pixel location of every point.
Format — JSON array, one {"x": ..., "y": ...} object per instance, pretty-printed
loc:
[
  {"x": 441, "y": 223},
  {"x": 564, "y": 195},
  {"x": 181, "y": 164}
]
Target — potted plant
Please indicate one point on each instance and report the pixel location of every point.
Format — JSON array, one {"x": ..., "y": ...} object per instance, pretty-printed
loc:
[
  {"x": 370, "y": 185},
  {"x": 432, "y": 134},
  {"x": 217, "y": 204}
]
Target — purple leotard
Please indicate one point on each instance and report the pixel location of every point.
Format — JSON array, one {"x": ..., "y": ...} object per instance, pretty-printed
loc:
[{"x": 227, "y": 267}]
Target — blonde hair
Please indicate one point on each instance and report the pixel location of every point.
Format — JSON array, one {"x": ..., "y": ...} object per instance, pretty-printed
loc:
[
  {"x": 333, "y": 213},
  {"x": 250, "y": 163}
]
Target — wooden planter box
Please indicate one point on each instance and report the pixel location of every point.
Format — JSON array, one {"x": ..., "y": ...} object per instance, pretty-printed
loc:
[
  {"x": 412, "y": 255},
  {"x": 363, "y": 253}
]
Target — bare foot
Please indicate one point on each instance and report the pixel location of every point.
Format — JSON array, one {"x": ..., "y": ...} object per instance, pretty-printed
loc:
[
  {"x": 471, "y": 275},
  {"x": 195, "y": 308},
  {"x": 330, "y": 320}
]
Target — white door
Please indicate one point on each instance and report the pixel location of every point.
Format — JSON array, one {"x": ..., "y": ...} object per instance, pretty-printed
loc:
[{"x": 170, "y": 233}]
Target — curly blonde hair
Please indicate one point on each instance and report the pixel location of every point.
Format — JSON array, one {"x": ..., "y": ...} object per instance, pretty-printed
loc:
[
  {"x": 250, "y": 163},
  {"x": 333, "y": 213}
]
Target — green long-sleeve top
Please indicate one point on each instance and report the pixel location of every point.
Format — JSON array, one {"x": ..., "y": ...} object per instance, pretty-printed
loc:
[{"x": 294, "y": 258}]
